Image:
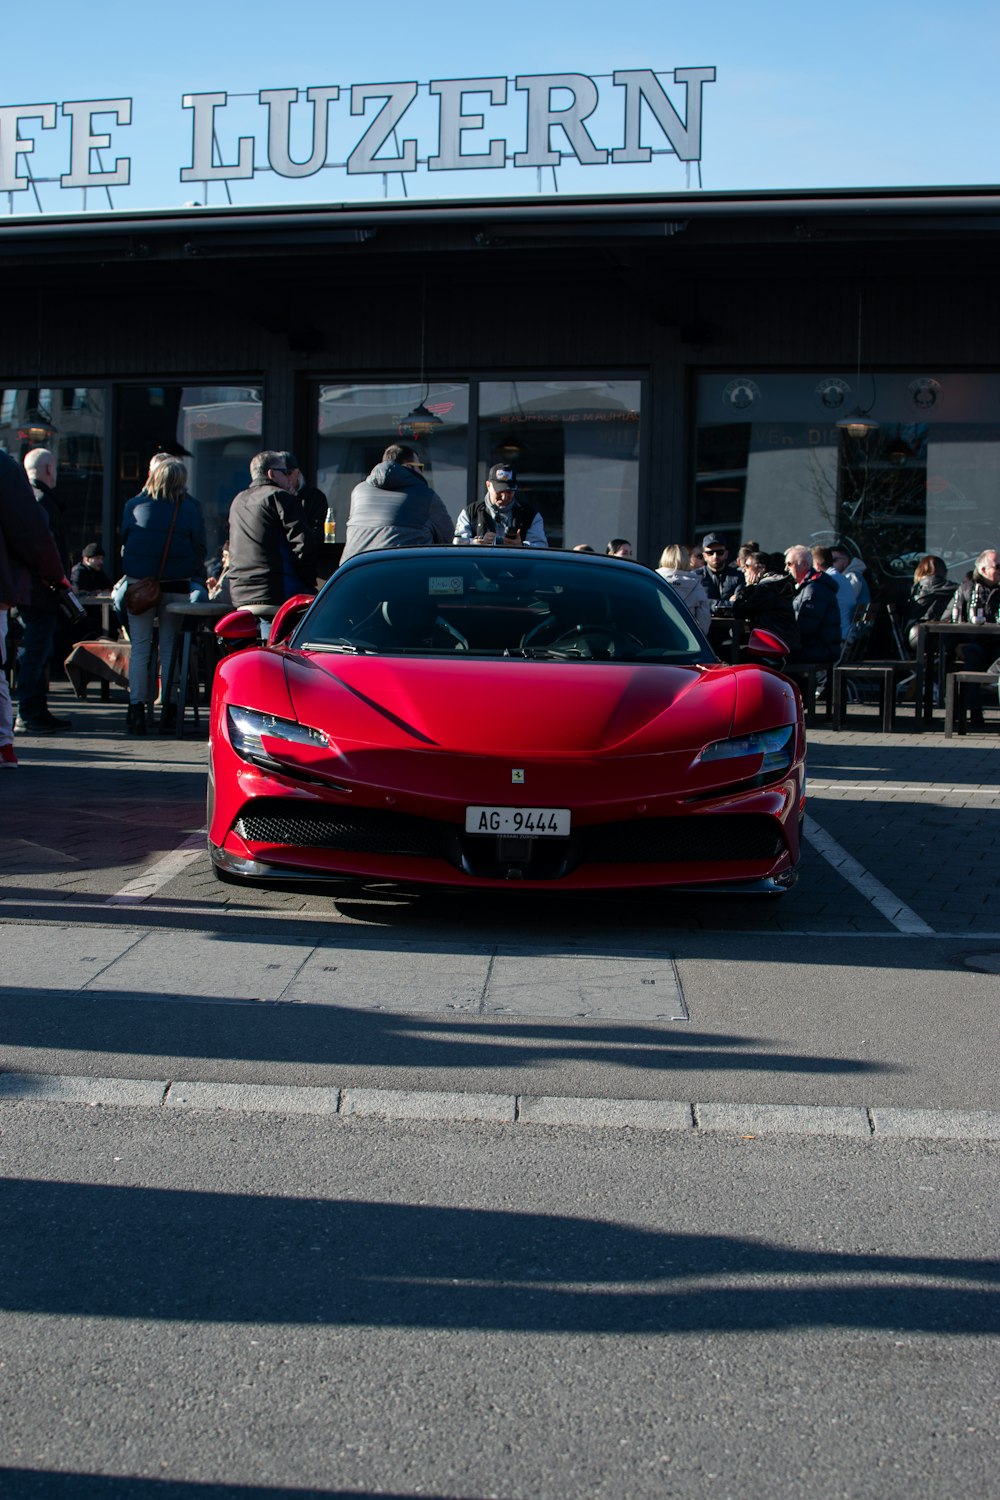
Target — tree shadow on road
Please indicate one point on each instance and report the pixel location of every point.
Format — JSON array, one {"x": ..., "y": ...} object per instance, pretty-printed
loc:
[
  {"x": 100, "y": 1251},
  {"x": 326, "y": 1037}
]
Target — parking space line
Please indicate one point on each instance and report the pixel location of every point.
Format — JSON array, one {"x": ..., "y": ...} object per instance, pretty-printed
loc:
[
  {"x": 921, "y": 788},
  {"x": 157, "y": 876},
  {"x": 902, "y": 917},
  {"x": 895, "y": 911}
]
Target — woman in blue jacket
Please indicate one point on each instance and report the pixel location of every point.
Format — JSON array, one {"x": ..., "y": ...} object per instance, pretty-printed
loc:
[{"x": 146, "y": 527}]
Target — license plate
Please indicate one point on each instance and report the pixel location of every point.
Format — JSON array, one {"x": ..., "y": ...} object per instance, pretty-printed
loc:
[{"x": 519, "y": 822}]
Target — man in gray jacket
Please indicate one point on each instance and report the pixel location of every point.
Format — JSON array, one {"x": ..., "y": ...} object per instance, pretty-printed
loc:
[{"x": 396, "y": 507}]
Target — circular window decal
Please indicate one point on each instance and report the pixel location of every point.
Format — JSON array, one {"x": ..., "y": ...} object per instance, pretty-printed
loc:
[
  {"x": 833, "y": 393},
  {"x": 741, "y": 393},
  {"x": 925, "y": 394}
]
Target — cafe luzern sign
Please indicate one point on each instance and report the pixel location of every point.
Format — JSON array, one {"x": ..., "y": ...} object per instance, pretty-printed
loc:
[{"x": 456, "y": 124}]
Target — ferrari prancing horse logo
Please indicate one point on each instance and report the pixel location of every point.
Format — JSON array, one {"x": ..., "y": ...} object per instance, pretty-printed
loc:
[{"x": 517, "y": 778}]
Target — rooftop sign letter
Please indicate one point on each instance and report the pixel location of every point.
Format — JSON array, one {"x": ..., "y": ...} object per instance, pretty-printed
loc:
[
  {"x": 398, "y": 98},
  {"x": 83, "y": 141},
  {"x": 279, "y": 124},
  {"x": 643, "y": 84},
  {"x": 13, "y": 145},
  {"x": 203, "y": 167},
  {"x": 454, "y": 124},
  {"x": 542, "y": 117}
]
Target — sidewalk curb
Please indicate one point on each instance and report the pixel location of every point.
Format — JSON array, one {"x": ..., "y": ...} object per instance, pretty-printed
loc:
[{"x": 654, "y": 1115}]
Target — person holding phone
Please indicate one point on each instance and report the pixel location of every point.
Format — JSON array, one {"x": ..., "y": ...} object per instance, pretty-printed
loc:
[{"x": 501, "y": 518}]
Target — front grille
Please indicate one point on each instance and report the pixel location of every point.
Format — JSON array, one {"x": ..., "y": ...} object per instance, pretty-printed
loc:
[
  {"x": 682, "y": 840},
  {"x": 353, "y": 830},
  {"x": 704, "y": 840}
]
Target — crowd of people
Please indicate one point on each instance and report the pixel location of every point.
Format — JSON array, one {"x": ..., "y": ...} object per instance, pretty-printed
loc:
[
  {"x": 812, "y": 597},
  {"x": 809, "y": 596}
]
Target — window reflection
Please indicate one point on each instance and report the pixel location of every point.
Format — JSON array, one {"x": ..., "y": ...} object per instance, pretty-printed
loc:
[
  {"x": 356, "y": 423},
  {"x": 70, "y": 422},
  {"x": 772, "y": 464},
  {"x": 215, "y": 429},
  {"x": 574, "y": 445}
]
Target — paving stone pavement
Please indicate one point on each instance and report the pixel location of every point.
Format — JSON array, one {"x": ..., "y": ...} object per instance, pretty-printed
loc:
[{"x": 87, "y": 810}]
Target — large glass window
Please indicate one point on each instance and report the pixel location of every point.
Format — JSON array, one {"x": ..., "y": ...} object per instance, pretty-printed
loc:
[
  {"x": 573, "y": 443},
  {"x": 575, "y": 447},
  {"x": 69, "y": 421},
  {"x": 215, "y": 429},
  {"x": 772, "y": 465},
  {"x": 356, "y": 423}
]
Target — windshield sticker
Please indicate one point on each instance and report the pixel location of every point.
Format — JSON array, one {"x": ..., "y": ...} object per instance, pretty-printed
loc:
[{"x": 446, "y": 585}]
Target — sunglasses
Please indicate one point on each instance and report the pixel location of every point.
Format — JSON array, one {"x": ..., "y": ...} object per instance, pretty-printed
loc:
[
  {"x": 714, "y": 551},
  {"x": 414, "y": 464}
]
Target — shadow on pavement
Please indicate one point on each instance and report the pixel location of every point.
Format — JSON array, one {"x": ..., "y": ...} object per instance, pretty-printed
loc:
[
  {"x": 62, "y": 1486},
  {"x": 98, "y": 1251},
  {"x": 342, "y": 1037},
  {"x": 54, "y": 1485}
]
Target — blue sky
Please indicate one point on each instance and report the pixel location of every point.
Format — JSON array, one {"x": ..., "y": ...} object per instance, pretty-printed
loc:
[{"x": 876, "y": 94}]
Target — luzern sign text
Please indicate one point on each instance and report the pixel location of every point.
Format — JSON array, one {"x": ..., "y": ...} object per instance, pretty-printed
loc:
[{"x": 553, "y": 110}]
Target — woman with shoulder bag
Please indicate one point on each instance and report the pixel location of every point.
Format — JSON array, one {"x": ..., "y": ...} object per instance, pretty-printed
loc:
[{"x": 163, "y": 542}]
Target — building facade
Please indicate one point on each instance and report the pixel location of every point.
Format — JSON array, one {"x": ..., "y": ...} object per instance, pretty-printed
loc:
[{"x": 654, "y": 368}]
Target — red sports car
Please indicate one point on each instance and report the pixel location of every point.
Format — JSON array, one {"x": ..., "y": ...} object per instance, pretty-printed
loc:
[{"x": 467, "y": 717}]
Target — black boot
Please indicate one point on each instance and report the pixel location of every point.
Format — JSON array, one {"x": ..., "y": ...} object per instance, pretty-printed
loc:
[
  {"x": 168, "y": 718},
  {"x": 136, "y": 721}
]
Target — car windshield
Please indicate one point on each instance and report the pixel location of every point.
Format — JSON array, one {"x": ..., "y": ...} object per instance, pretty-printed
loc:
[{"x": 529, "y": 606}]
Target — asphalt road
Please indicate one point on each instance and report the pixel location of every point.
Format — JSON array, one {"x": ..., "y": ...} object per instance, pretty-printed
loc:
[
  {"x": 873, "y": 983},
  {"x": 319, "y": 1305},
  {"x": 200, "y": 1299}
]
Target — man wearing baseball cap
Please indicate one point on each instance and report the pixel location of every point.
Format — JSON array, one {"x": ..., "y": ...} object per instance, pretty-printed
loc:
[
  {"x": 501, "y": 519},
  {"x": 720, "y": 578}
]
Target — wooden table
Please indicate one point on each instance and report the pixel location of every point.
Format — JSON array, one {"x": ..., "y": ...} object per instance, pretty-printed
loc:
[{"x": 936, "y": 641}]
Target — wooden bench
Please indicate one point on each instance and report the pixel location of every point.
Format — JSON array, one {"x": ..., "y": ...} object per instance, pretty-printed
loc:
[
  {"x": 954, "y": 697},
  {"x": 884, "y": 674}
]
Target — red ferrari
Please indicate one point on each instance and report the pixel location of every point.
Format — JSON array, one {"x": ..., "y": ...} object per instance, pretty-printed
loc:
[{"x": 469, "y": 717}]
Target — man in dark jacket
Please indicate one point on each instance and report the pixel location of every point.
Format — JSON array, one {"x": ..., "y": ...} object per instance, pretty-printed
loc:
[
  {"x": 817, "y": 612},
  {"x": 501, "y": 518},
  {"x": 40, "y": 615},
  {"x": 766, "y": 602},
  {"x": 312, "y": 499},
  {"x": 27, "y": 548},
  {"x": 720, "y": 579},
  {"x": 272, "y": 552},
  {"x": 977, "y": 600},
  {"x": 395, "y": 507},
  {"x": 978, "y": 595}
]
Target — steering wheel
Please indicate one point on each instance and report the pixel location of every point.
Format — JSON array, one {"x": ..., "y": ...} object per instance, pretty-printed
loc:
[{"x": 594, "y": 640}]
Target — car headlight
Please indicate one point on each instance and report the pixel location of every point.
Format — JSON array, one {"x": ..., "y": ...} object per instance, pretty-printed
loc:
[
  {"x": 247, "y": 729},
  {"x": 776, "y": 746}
]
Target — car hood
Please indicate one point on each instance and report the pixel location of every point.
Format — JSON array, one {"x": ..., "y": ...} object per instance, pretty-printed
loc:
[{"x": 511, "y": 706}]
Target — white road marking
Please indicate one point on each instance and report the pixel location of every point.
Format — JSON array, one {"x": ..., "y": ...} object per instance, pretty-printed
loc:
[
  {"x": 864, "y": 882},
  {"x": 927, "y": 788},
  {"x": 158, "y": 875}
]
